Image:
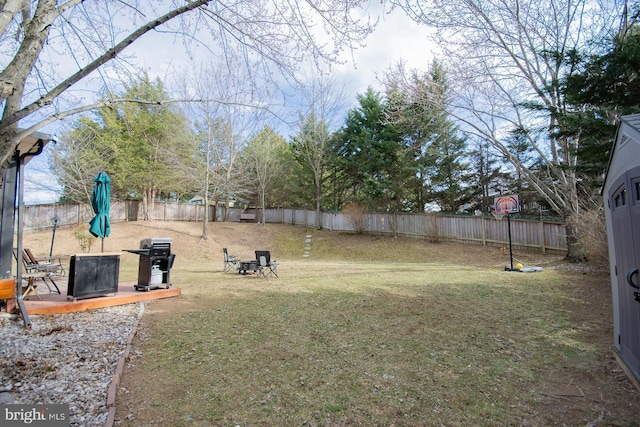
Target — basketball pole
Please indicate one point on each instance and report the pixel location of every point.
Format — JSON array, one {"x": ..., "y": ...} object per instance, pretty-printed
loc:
[
  {"x": 510, "y": 248},
  {"x": 507, "y": 205}
]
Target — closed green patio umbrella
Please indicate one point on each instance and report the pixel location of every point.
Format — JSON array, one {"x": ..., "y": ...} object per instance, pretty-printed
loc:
[{"x": 100, "y": 225}]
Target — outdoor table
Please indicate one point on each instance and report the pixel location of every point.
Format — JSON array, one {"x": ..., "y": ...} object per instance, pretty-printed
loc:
[{"x": 244, "y": 266}]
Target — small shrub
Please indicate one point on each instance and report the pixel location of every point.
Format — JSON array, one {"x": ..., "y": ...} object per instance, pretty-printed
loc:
[
  {"x": 357, "y": 216},
  {"x": 591, "y": 234},
  {"x": 85, "y": 239}
]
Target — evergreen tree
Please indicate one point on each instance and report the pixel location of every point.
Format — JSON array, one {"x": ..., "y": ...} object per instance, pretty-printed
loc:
[
  {"x": 449, "y": 173},
  {"x": 145, "y": 142},
  {"x": 515, "y": 181},
  {"x": 372, "y": 156},
  {"x": 77, "y": 158},
  {"x": 605, "y": 87},
  {"x": 415, "y": 120},
  {"x": 487, "y": 176},
  {"x": 442, "y": 172}
]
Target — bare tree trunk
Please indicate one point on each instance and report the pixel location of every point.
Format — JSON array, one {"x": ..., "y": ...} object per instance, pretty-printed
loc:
[
  {"x": 148, "y": 203},
  {"x": 263, "y": 190},
  {"x": 25, "y": 39},
  {"x": 205, "y": 220},
  {"x": 574, "y": 252},
  {"x": 318, "y": 205},
  {"x": 145, "y": 208}
]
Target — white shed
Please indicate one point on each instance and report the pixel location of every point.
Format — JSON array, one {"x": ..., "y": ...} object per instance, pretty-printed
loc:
[{"x": 621, "y": 194}]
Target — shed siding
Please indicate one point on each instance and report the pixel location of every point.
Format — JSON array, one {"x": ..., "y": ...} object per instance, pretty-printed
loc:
[{"x": 622, "y": 211}]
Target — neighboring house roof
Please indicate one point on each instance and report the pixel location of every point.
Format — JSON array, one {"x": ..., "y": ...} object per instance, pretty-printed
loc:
[
  {"x": 196, "y": 199},
  {"x": 200, "y": 199}
]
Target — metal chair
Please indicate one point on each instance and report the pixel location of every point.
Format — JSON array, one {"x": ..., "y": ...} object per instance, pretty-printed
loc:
[
  {"x": 42, "y": 268},
  {"x": 266, "y": 267},
  {"x": 230, "y": 261}
]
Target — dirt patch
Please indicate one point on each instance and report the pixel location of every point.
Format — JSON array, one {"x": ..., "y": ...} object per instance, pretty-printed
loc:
[{"x": 187, "y": 241}]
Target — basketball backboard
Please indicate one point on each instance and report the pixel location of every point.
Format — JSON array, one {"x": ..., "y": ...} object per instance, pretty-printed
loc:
[{"x": 507, "y": 204}]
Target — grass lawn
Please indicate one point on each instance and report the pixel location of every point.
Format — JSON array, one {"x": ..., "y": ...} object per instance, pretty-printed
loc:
[{"x": 371, "y": 331}]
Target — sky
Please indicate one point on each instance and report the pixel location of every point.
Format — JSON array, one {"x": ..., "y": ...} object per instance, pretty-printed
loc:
[{"x": 395, "y": 38}]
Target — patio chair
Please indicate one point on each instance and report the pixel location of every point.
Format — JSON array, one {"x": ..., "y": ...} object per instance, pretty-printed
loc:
[
  {"x": 266, "y": 267},
  {"x": 42, "y": 268},
  {"x": 230, "y": 261}
]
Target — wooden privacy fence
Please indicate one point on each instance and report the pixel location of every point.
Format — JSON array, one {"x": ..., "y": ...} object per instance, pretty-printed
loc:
[
  {"x": 534, "y": 235},
  {"x": 39, "y": 217}
]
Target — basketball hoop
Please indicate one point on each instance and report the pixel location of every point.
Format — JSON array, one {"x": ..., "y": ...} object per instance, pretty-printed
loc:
[
  {"x": 507, "y": 205},
  {"x": 498, "y": 214}
]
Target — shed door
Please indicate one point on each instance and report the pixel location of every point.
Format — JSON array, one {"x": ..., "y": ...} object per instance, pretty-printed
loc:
[{"x": 624, "y": 201}]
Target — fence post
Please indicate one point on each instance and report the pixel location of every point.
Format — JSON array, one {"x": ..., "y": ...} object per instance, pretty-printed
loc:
[
  {"x": 484, "y": 233},
  {"x": 542, "y": 239}
]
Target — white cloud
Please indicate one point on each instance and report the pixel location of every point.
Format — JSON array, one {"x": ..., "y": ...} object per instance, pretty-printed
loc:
[
  {"x": 395, "y": 38},
  {"x": 40, "y": 186}
]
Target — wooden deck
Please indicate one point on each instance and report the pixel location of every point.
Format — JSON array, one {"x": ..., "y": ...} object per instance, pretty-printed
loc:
[{"x": 46, "y": 303}]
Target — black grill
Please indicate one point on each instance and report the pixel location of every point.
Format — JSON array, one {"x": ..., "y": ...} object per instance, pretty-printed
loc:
[{"x": 155, "y": 264}]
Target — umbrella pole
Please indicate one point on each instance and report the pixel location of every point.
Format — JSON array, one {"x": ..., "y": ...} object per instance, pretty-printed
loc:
[
  {"x": 102, "y": 248},
  {"x": 53, "y": 236}
]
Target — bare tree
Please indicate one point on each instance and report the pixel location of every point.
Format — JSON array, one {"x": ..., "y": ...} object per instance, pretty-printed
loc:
[
  {"x": 265, "y": 156},
  {"x": 505, "y": 60},
  {"x": 77, "y": 160},
  {"x": 323, "y": 101},
  {"x": 231, "y": 109},
  {"x": 51, "y": 48},
  {"x": 311, "y": 146}
]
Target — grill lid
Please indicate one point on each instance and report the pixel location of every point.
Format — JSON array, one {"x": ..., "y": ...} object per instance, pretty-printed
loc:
[{"x": 158, "y": 242}]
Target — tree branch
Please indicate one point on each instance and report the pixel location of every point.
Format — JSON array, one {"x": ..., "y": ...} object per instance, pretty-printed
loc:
[{"x": 48, "y": 98}]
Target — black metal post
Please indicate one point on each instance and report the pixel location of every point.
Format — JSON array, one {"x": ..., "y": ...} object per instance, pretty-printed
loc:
[
  {"x": 510, "y": 248},
  {"x": 53, "y": 236},
  {"x": 8, "y": 219},
  {"x": 20, "y": 221}
]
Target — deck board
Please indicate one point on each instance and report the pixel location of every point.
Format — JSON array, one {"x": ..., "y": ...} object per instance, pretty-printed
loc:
[{"x": 47, "y": 303}]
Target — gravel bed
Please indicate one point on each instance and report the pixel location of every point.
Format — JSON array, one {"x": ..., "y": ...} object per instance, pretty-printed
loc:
[{"x": 65, "y": 359}]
